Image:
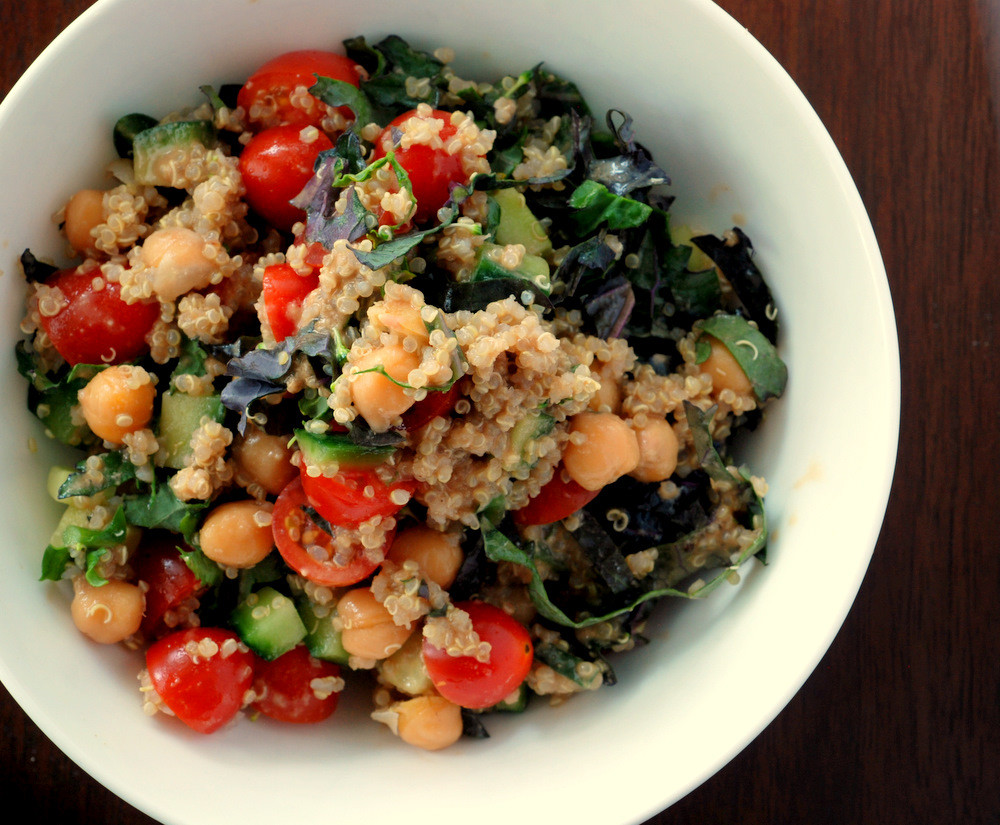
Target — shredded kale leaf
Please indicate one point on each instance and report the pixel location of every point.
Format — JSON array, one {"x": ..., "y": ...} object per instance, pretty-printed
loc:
[
  {"x": 737, "y": 264},
  {"x": 261, "y": 372}
]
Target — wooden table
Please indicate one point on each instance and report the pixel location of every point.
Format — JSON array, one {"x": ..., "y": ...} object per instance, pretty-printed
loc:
[{"x": 899, "y": 723}]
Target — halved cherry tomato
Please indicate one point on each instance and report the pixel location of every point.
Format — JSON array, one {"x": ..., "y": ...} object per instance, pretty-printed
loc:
[
  {"x": 434, "y": 404},
  {"x": 95, "y": 326},
  {"x": 290, "y": 690},
  {"x": 342, "y": 499},
  {"x": 273, "y": 83},
  {"x": 308, "y": 549},
  {"x": 284, "y": 291},
  {"x": 276, "y": 164},
  {"x": 470, "y": 683},
  {"x": 171, "y": 583},
  {"x": 560, "y": 498},
  {"x": 202, "y": 675},
  {"x": 432, "y": 171}
]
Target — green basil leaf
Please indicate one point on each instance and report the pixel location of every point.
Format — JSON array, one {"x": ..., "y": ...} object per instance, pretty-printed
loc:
[{"x": 754, "y": 353}]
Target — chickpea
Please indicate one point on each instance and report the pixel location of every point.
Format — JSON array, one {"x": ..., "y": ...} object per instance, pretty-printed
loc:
[
  {"x": 378, "y": 399},
  {"x": 84, "y": 211},
  {"x": 176, "y": 254},
  {"x": 368, "y": 629},
  {"x": 401, "y": 317},
  {"x": 438, "y": 554},
  {"x": 265, "y": 460},
  {"x": 658, "y": 448},
  {"x": 609, "y": 397},
  {"x": 109, "y": 613},
  {"x": 118, "y": 401},
  {"x": 238, "y": 533},
  {"x": 726, "y": 373},
  {"x": 429, "y": 722},
  {"x": 608, "y": 451}
]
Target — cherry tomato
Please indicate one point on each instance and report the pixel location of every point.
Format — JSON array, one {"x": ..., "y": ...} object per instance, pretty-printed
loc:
[
  {"x": 434, "y": 404},
  {"x": 95, "y": 326},
  {"x": 171, "y": 583},
  {"x": 470, "y": 683},
  {"x": 201, "y": 674},
  {"x": 341, "y": 499},
  {"x": 284, "y": 291},
  {"x": 299, "y": 539},
  {"x": 272, "y": 85},
  {"x": 560, "y": 498},
  {"x": 276, "y": 164},
  {"x": 432, "y": 171},
  {"x": 289, "y": 690}
]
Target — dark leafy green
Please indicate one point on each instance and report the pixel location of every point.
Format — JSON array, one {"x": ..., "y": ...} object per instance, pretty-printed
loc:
[{"x": 735, "y": 259}]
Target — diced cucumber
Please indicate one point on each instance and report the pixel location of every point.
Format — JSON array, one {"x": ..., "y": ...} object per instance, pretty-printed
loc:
[
  {"x": 527, "y": 430},
  {"x": 337, "y": 450},
  {"x": 322, "y": 638},
  {"x": 157, "y": 151},
  {"x": 405, "y": 669},
  {"x": 515, "y": 703},
  {"x": 680, "y": 235},
  {"x": 268, "y": 623},
  {"x": 518, "y": 223},
  {"x": 71, "y": 517},
  {"x": 180, "y": 415},
  {"x": 57, "y": 475},
  {"x": 127, "y": 127},
  {"x": 533, "y": 268}
]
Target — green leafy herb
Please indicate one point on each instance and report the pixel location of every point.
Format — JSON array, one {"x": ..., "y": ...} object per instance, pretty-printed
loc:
[
  {"x": 116, "y": 470},
  {"x": 754, "y": 353},
  {"x": 598, "y": 205},
  {"x": 162, "y": 509}
]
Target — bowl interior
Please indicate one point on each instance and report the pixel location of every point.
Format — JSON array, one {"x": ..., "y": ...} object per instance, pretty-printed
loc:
[{"x": 742, "y": 146}]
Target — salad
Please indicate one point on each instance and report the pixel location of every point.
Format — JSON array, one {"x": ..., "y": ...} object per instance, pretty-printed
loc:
[{"x": 382, "y": 379}]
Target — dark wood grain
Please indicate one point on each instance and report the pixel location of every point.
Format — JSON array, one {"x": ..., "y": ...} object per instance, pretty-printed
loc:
[{"x": 900, "y": 722}]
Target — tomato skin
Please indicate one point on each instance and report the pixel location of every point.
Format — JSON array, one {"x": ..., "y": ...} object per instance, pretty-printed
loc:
[
  {"x": 432, "y": 171},
  {"x": 285, "y": 686},
  {"x": 559, "y": 498},
  {"x": 434, "y": 404},
  {"x": 278, "y": 78},
  {"x": 97, "y": 326},
  {"x": 290, "y": 524},
  {"x": 171, "y": 582},
  {"x": 276, "y": 164},
  {"x": 470, "y": 683},
  {"x": 284, "y": 291},
  {"x": 341, "y": 499},
  {"x": 203, "y": 692}
]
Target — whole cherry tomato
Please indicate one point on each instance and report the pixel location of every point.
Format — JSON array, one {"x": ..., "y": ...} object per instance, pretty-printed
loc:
[
  {"x": 94, "y": 325},
  {"x": 170, "y": 581},
  {"x": 202, "y": 675},
  {"x": 297, "y": 687},
  {"x": 470, "y": 683},
  {"x": 276, "y": 164},
  {"x": 270, "y": 89},
  {"x": 432, "y": 170}
]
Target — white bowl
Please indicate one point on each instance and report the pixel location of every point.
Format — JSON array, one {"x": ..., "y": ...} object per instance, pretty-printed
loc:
[{"x": 742, "y": 145}]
